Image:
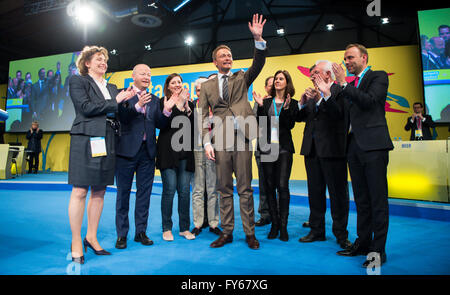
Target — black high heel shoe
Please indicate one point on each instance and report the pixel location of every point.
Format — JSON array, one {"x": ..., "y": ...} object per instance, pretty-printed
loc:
[
  {"x": 79, "y": 260},
  {"x": 100, "y": 252}
]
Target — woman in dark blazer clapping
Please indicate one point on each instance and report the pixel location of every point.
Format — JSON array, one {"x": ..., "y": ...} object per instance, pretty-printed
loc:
[
  {"x": 92, "y": 152},
  {"x": 280, "y": 110},
  {"x": 176, "y": 163}
]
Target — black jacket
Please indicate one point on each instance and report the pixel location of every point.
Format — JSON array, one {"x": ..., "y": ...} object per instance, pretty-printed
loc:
[
  {"x": 366, "y": 111},
  {"x": 426, "y": 125},
  {"x": 34, "y": 140},
  {"x": 90, "y": 106},
  {"x": 325, "y": 126},
  {"x": 286, "y": 121},
  {"x": 166, "y": 157}
]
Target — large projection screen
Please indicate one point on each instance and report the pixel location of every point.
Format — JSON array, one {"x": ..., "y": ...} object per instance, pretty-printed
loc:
[
  {"x": 434, "y": 42},
  {"x": 38, "y": 90}
]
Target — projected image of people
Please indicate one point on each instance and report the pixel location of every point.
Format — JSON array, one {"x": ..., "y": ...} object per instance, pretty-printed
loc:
[{"x": 38, "y": 90}]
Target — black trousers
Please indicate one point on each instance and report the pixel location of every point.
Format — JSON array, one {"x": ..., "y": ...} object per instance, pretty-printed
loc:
[
  {"x": 33, "y": 161},
  {"x": 276, "y": 178},
  {"x": 332, "y": 173},
  {"x": 370, "y": 188},
  {"x": 144, "y": 167}
]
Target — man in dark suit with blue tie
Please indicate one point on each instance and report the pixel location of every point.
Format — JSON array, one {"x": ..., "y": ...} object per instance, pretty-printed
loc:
[
  {"x": 368, "y": 149},
  {"x": 136, "y": 150}
]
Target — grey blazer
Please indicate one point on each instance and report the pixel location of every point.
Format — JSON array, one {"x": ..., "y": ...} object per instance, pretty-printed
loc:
[{"x": 90, "y": 105}]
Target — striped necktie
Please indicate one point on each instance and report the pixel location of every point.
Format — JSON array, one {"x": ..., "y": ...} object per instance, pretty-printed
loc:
[{"x": 225, "y": 94}]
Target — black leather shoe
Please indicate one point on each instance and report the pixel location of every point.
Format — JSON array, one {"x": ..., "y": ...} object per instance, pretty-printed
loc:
[
  {"x": 121, "y": 243},
  {"x": 215, "y": 230},
  {"x": 221, "y": 241},
  {"x": 262, "y": 222},
  {"x": 306, "y": 224},
  {"x": 354, "y": 250},
  {"x": 345, "y": 244},
  {"x": 196, "y": 231},
  {"x": 97, "y": 252},
  {"x": 312, "y": 238},
  {"x": 143, "y": 239},
  {"x": 79, "y": 260},
  {"x": 375, "y": 259}
]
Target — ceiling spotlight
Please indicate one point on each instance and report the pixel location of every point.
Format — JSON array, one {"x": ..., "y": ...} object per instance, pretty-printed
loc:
[
  {"x": 85, "y": 14},
  {"x": 148, "y": 47},
  {"x": 280, "y": 32},
  {"x": 330, "y": 26},
  {"x": 385, "y": 20},
  {"x": 114, "y": 52},
  {"x": 189, "y": 41}
]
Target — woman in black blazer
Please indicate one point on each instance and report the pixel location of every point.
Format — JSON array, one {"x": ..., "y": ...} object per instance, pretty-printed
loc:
[
  {"x": 95, "y": 102},
  {"x": 175, "y": 163},
  {"x": 276, "y": 117}
]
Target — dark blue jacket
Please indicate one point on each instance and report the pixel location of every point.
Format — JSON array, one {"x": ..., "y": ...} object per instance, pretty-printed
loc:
[{"x": 133, "y": 125}]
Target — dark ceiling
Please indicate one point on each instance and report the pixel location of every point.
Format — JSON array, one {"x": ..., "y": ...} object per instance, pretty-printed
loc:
[{"x": 41, "y": 28}]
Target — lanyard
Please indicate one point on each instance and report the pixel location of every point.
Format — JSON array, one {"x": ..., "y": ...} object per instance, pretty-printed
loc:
[
  {"x": 275, "y": 108},
  {"x": 362, "y": 75}
]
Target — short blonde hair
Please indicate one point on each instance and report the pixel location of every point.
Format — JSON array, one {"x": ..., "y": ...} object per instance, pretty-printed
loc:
[
  {"x": 86, "y": 55},
  {"x": 214, "y": 53}
]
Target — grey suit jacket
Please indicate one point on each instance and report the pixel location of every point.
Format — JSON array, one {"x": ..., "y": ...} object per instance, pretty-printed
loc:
[
  {"x": 237, "y": 107},
  {"x": 90, "y": 106}
]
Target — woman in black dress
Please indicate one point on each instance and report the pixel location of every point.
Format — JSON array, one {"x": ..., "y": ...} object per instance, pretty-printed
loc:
[{"x": 92, "y": 153}]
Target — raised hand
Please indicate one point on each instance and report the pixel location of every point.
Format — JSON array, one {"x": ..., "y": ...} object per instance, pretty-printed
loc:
[
  {"x": 339, "y": 72},
  {"x": 258, "y": 99},
  {"x": 256, "y": 27},
  {"x": 125, "y": 94}
]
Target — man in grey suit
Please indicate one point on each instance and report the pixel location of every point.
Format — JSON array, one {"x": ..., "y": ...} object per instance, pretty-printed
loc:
[{"x": 227, "y": 96}]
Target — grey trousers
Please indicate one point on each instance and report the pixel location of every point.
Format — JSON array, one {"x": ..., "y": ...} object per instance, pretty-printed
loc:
[{"x": 205, "y": 179}]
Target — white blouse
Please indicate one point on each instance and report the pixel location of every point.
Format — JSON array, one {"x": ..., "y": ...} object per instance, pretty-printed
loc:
[{"x": 103, "y": 89}]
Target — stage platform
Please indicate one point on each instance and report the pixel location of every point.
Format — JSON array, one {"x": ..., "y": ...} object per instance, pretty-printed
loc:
[{"x": 35, "y": 237}]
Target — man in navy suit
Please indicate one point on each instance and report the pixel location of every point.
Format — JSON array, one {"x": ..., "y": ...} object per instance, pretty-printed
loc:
[
  {"x": 368, "y": 147},
  {"x": 136, "y": 150}
]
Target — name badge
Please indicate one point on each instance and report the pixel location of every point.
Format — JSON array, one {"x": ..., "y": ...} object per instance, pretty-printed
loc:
[
  {"x": 418, "y": 133},
  {"x": 98, "y": 147},
  {"x": 274, "y": 135}
]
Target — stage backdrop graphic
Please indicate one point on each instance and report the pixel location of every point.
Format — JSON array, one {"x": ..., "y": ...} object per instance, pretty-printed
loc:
[{"x": 401, "y": 62}]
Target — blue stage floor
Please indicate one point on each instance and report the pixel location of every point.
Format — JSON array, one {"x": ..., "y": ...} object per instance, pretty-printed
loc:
[{"x": 35, "y": 239}]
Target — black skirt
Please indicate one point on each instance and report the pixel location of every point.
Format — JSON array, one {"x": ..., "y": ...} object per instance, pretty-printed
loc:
[{"x": 85, "y": 170}]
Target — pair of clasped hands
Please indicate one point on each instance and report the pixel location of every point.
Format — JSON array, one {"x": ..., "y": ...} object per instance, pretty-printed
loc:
[{"x": 180, "y": 99}]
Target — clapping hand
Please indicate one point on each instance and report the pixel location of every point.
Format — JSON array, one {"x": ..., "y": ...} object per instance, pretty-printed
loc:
[
  {"x": 339, "y": 73},
  {"x": 256, "y": 27},
  {"x": 125, "y": 94},
  {"x": 144, "y": 99},
  {"x": 322, "y": 85}
]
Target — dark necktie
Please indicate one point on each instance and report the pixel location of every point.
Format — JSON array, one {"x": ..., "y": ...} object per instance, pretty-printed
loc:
[{"x": 225, "y": 94}]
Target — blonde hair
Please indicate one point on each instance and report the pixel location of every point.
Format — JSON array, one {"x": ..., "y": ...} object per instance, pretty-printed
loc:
[
  {"x": 214, "y": 53},
  {"x": 86, "y": 55}
]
